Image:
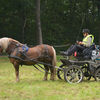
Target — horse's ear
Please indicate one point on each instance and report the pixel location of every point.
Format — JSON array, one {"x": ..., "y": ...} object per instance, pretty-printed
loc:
[{"x": 1, "y": 50}]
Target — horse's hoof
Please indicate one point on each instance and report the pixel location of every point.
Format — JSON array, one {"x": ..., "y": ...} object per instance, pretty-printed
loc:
[
  {"x": 51, "y": 79},
  {"x": 44, "y": 79},
  {"x": 16, "y": 81}
]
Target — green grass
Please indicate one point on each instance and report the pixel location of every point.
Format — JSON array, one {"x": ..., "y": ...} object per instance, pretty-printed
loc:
[{"x": 31, "y": 86}]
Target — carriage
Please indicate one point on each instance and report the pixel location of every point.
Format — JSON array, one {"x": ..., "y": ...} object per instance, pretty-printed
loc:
[
  {"x": 73, "y": 71},
  {"x": 83, "y": 67}
]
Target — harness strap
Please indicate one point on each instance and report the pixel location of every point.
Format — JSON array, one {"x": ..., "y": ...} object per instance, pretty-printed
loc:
[
  {"x": 47, "y": 52},
  {"x": 12, "y": 56},
  {"x": 38, "y": 69},
  {"x": 24, "y": 55},
  {"x": 17, "y": 50},
  {"x": 16, "y": 57},
  {"x": 9, "y": 52},
  {"x": 41, "y": 68},
  {"x": 25, "y": 49}
]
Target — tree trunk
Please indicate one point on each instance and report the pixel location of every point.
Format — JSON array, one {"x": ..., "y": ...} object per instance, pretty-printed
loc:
[
  {"x": 4, "y": 24},
  {"x": 38, "y": 23},
  {"x": 87, "y": 17},
  {"x": 23, "y": 35},
  {"x": 98, "y": 5},
  {"x": 93, "y": 14}
]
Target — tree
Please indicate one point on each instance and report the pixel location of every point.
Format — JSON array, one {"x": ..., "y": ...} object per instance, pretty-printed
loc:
[
  {"x": 98, "y": 5},
  {"x": 60, "y": 20},
  {"x": 38, "y": 23}
]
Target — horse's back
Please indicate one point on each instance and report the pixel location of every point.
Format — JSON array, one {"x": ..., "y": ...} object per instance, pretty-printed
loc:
[{"x": 41, "y": 50}]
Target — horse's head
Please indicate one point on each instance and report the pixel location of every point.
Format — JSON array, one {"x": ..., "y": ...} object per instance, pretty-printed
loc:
[
  {"x": 3, "y": 44},
  {"x": 1, "y": 50}
]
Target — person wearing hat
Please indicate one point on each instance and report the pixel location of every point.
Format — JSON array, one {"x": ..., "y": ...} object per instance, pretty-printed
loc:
[{"x": 86, "y": 42}]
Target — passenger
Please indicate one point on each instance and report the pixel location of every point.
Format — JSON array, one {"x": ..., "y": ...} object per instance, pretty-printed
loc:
[
  {"x": 94, "y": 57},
  {"x": 87, "y": 42}
]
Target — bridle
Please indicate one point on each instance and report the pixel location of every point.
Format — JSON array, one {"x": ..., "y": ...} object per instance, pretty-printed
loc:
[{"x": 17, "y": 45}]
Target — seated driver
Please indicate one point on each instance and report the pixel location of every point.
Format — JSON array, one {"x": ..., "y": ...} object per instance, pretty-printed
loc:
[{"x": 87, "y": 42}]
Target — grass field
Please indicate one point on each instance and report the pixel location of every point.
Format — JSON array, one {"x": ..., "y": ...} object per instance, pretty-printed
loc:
[{"x": 31, "y": 86}]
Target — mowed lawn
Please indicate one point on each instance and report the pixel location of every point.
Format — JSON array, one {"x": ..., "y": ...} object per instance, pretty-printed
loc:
[{"x": 31, "y": 86}]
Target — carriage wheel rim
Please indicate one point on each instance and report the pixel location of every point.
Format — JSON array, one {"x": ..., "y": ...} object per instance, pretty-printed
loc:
[
  {"x": 97, "y": 75},
  {"x": 74, "y": 75},
  {"x": 60, "y": 73}
]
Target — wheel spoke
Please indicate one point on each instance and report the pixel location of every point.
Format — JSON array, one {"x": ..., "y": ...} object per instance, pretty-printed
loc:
[
  {"x": 86, "y": 73},
  {"x": 77, "y": 72},
  {"x": 73, "y": 70},
  {"x": 98, "y": 75},
  {"x": 71, "y": 79},
  {"x": 70, "y": 74},
  {"x": 73, "y": 74}
]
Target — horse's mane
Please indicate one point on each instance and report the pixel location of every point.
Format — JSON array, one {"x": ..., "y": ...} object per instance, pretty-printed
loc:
[
  {"x": 4, "y": 42},
  {"x": 12, "y": 40}
]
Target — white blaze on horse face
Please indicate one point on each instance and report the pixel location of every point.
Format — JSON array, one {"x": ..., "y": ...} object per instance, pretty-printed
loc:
[{"x": 4, "y": 42}]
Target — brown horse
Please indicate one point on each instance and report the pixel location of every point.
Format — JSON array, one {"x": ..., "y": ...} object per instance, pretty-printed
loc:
[{"x": 42, "y": 53}]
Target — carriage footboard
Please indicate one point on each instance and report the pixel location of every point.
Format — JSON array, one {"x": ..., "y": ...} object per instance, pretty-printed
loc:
[{"x": 66, "y": 62}]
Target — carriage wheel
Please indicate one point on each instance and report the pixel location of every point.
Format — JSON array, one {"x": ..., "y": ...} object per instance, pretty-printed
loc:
[
  {"x": 97, "y": 75},
  {"x": 60, "y": 73},
  {"x": 86, "y": 73},
  {"x": 73, "y": 74}
]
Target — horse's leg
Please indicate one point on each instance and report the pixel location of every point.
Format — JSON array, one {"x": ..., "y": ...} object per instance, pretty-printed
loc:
[
  {"x": 16, "y": 66},
  {"x": 52, "y": 73},
  {"x": 46, "y": 73}
]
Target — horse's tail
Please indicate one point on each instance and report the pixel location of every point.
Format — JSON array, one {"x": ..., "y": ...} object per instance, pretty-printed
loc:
[{"x": 54, "y": 61}]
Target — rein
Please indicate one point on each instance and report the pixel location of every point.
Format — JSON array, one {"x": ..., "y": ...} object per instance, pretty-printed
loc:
[{"x": 16, "y": 57}]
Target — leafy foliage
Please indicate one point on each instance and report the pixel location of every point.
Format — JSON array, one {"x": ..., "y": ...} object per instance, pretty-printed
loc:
[{"x": 60, "y": 20}]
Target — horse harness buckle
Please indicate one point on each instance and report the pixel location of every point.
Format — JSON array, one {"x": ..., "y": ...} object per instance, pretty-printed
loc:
[{"x": 25, "y": 48}]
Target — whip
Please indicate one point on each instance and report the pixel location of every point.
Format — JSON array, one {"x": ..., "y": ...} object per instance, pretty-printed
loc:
[{"x": 83, "y": 17}]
